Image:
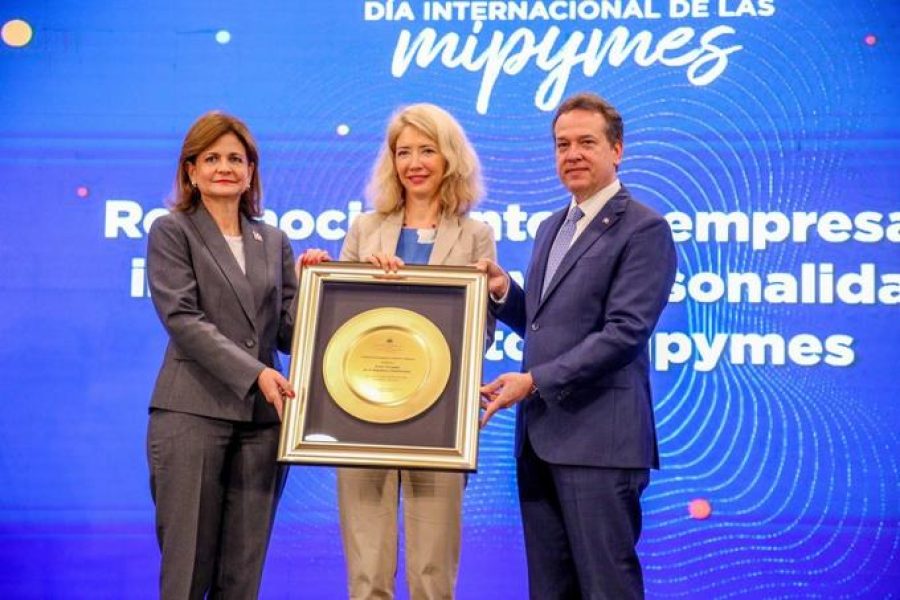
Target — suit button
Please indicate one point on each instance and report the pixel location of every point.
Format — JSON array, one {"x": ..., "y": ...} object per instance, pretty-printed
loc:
[
  {"x": 535, "y": 326},
  {"x": 249, "y": 343}
]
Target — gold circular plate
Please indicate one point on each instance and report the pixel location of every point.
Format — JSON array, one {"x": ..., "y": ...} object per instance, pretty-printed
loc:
[{"x": 386, "y": 365}]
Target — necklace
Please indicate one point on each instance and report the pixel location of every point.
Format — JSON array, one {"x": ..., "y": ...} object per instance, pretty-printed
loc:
[{"x": 431, "y": 226}]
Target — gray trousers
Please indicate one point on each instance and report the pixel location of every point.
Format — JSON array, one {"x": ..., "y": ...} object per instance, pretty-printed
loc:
[{"x": 216, "y": 485}]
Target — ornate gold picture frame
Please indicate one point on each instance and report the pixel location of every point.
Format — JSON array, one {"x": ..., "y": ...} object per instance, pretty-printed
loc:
[{"x": 386, "y": 367}]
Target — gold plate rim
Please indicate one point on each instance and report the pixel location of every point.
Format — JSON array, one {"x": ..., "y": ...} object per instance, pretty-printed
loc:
[{"x": 416, "y": 325}]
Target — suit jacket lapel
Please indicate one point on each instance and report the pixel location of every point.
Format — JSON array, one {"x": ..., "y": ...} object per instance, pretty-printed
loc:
[
  {"x": 389, "y": 232},
  {"x": 222, "y": 255},
  {"x": 606, "y": 218},
  {"x": 540, "y": 253},
  {"x": 255, "y": 260},
  {"x": 447, "y": 233}
]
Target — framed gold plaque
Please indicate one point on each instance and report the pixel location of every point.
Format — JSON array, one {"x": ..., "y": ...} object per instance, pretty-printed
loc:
[{"x": 386, "y": 367}]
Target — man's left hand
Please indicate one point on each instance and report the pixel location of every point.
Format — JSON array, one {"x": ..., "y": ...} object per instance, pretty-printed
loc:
[{"x": 503, "y": 392}]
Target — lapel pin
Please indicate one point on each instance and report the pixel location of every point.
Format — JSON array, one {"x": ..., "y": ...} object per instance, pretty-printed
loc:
[
  {"x": 606, "y": 220},
  {"x": 256, "y": 236}
]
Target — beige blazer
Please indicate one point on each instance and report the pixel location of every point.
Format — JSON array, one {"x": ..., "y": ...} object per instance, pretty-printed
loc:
[{"x": 460, "y": 241}]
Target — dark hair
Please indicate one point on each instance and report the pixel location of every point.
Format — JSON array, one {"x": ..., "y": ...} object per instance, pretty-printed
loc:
[
  {"x": 203, "y": 134},
  {"x": 615, "y": 128}
]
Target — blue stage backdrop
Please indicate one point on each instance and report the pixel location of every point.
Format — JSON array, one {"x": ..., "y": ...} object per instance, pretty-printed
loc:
[{"x": 765, "y": 130}]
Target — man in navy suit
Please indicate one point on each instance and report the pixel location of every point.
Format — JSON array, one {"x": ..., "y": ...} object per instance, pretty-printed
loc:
[{"x": 599, "y": 277}]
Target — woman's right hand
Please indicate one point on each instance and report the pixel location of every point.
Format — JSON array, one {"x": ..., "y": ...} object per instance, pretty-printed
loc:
[
  {"x": 389, "y": 262},
  {"x": 311, "y": 257}
]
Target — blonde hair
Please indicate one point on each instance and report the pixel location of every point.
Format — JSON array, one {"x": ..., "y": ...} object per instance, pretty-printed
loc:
[
  {"x": 203, "y": 134},
  {"x": 461, "y": 185}
]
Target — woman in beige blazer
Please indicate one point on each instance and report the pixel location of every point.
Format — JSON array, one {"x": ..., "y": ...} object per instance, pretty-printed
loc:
[{"x": 424, "y": 183}]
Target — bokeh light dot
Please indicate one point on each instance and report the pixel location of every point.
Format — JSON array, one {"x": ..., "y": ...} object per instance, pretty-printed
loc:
[
  {"x": 343, "y": 129},
  {"x": 83, "y": 191},
  {"x": 16, "y": 33},
  {"x": 700, "y": 509},
  {"x": 223, "y": 36},
  {"x": 871, "y": 40}
]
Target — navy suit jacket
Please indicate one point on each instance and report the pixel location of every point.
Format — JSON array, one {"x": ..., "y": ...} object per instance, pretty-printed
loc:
[{"x": 586, "y": 340}]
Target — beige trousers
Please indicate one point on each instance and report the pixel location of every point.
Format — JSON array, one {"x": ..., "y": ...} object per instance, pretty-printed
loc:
[{"x": 432, "y": 505}]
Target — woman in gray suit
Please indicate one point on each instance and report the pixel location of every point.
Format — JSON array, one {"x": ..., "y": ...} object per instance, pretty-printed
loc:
[
  {"x": 223, "y": 285},
  {"x": 424, "y": 183}
]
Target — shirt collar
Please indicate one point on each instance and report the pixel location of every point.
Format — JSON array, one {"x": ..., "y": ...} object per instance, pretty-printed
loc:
[{"x": 595, "y": 203}]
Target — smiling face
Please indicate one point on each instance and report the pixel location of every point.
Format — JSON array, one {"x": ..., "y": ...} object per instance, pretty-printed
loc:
[
  {"x": 221, "y": 171},
  {"x": 585, "y": 159},
  {"x": 419, "y": 164}
]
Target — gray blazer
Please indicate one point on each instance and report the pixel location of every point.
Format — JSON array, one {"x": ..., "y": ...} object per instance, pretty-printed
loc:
[{"x": 224, "y": 327}]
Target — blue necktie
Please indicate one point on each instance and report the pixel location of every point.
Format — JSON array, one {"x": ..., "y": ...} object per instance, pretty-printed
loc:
[{"x": 561, "y": 245}]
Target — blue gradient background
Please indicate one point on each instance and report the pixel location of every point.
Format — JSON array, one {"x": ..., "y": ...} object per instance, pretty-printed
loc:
[{"x": 800, "y": 464}]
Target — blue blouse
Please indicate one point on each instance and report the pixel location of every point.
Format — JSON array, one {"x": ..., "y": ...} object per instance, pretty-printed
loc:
[{"x": 411, "y": 249}]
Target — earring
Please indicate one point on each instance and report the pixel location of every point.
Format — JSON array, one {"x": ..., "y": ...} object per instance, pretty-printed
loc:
[{"x": 193, "y": 184}]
